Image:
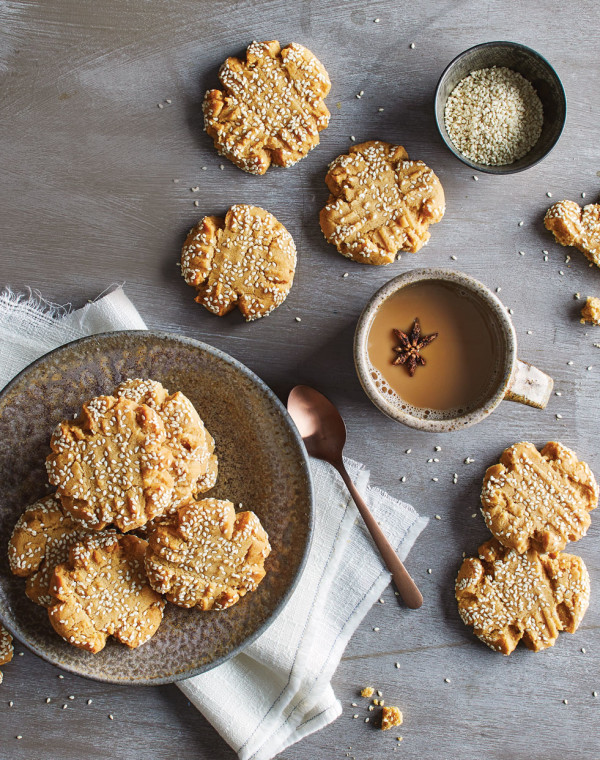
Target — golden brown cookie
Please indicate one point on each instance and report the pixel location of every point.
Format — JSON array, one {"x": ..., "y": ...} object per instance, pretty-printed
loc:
[
  {"x": 271, "y": 107},
  {"x": 591, "y": 311},
  {"x": 538, "y": 500},
  {"x": 112, "y": 464},
  {"x": 194, "y": 468},
  {"x": 103, "y": 591},
  {"x": 507, "y": 596},
  {"x": 380, "y": 203},
  {"x": 207, "y": 556},
  {"x": 247, "y": 259},
  {"x": 580, "y": 227},
  {"x": 6, "y": 648},
  {"x": 40, "y": 541}
]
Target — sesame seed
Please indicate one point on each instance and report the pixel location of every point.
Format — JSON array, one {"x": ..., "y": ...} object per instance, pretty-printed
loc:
[
  {"x": 583, "y": 650},
  {"x": 380, "y": 109},
  {"x": 435, "y": 480},
  {"x": 438, "y": 517},
  {"x": 366, "y": 720},
  {"x": 345, "y": 274},
  {"x": 588, "y": 368},
  {"x": 446, "y": 680},
  {"x": 437, "y": 448},
  {"x": 565, "y": 701},
  {"x": 195, "y": 189},
  {"x": 10, "y": 704},
  {"x": 196, "y": 204},
  {"x": 376, "y": 20},
  {"x": 520, "y": 224},
  {"x": 111, "y": 717},
  {"x": 89, "y": 702},
  {"x": 570, "y": 363},
  {"x": 160, "y": 105},
  {"x": 558, "y": 393},
  {"x": 64, "y": 707},
  {"x": 175, "y": 181},
  {"x": 375, "y": 629},
  {"x": 61, "y": 677},
  {"x": 355, "y": 716},
  {"x": 429, "y": 570},
  {"x": 222, "y": 167},
  {"x": 469, "y": 460},
  {"x": 72, "y": 696},
  {"x": 559, "y": 416},
  {"x": 583, "y": 195},
  {"x": 19, "y": 736},
  {"x": 408, "y": 451},
  {"x": 476, "y": 178},
  {"x": 474, "y": 514},
  {"x": 412, "y": 45},
  {"x": 168, "y": 100},
  {"x": 397, "y": 664},
  {"x": 453, "y": 257},
  {"x": 403, "y": 479},
  {"x": 521, "y": 253},
  {"x": 529, "y": 332},
  {"x": 498, "y": 290},
  {"x": 594, "y": 694},
  {"x": 204, "y": 168},
  {"x": 353, "y": 704},
  {"x": 352, "y": 138},
  {"x": 298, "y": 319},
  {"x": 48, "y": 700},
  {"x": 549, "y": 195},
  {"x": 382, "y": 601}
]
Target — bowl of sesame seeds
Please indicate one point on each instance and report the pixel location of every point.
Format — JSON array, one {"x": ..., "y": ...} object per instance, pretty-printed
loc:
[{"x": 500, "y": 107}]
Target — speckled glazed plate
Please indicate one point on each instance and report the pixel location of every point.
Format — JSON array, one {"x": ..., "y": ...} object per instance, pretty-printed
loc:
[{"x": 262, "y": 464}]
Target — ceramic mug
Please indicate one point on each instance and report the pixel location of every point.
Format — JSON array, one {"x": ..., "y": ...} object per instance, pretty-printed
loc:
[{"x": 514, "y": 379}]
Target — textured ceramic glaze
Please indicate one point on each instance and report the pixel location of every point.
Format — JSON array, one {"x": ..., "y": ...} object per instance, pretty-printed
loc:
[
  {"x": 530, "y": 65},
  {"x": 499, "y": 324},
  {"x": 262, "y": 464}
]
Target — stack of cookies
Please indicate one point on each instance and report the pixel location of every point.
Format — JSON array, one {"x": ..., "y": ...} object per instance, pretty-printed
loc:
[
  {"x": 127, "y": 525},
  {"x": 522, "y": 586}
]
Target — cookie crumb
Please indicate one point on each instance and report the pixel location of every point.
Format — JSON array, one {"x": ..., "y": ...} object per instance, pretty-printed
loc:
[
  {"x": 367, "y": 691},
  {"x": 390, "y": 717}
]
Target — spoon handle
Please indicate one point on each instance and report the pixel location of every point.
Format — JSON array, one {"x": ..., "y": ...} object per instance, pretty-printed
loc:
[{"x": 409, "y": 593}]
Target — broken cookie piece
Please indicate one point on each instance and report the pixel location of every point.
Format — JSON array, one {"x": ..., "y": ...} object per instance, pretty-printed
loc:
[
  {"x": 390, "y": 717},
  {"x": 575, "y": 226},
  {"x": 591, "y": 311}
]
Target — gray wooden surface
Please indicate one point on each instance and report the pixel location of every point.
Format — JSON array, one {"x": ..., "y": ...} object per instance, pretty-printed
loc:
[{"x": 88, "y": 164}]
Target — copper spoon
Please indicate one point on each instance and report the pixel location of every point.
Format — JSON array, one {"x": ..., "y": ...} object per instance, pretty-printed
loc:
[{"x": 324, "y": 433}]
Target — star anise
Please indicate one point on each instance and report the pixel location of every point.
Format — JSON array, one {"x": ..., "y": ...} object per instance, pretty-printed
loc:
[{"x": 410, "y": 346}]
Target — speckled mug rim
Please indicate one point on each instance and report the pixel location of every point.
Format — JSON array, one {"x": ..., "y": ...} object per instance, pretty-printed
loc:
[
  {"x": 363, "y": 328},
  {"x": 270, "y": 395}
]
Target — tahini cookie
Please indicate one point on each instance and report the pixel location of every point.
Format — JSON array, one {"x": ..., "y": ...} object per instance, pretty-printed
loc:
[
  {"x": 112, "y": 464},
  {"x": 538, "y": 499},
  {"x": 40, "y": 541},
  {"x": 194, "y": 467},
  {"x": 6, "y": 648},
  {"x": 103, "y": 591},
  {"x": 247, "y": 259},
  {"x": 508, "y": 597},
  {"x": 206, "y": 555},
  {"x": 380, "y": 203},
  {"x": 580, "y": 227},
  {"x": 271, "y": 108}
]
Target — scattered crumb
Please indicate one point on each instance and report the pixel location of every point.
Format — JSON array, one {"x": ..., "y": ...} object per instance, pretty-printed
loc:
[
  {"x": 367, "y": 691},
  {"x": 390, "y": 716}
]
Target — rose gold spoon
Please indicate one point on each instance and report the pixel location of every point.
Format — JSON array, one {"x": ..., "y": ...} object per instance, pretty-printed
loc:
[{"x": 324, "y": 433}]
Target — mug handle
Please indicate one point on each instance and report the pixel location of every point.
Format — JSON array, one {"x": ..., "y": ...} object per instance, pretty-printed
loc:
[{"x": 529, "y": 385}]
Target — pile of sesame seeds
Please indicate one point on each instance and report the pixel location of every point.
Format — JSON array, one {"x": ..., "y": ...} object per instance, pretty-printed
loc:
[{"x": 494, "y": 116}]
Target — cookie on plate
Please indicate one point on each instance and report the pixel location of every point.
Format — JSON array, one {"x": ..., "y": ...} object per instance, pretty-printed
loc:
[
  {"x": 508, "y": 597},
  {"x": 112, "y": 464},
  {"x": 247, "y": 259},
  {"x": 380, "y": 203},
  {"x": 103, "y": 591},
  {"x": 206, "y": 556},
  {"x": 6, "y": 648},
  {"x": 580, "y": 227},
  {"x": 40, "y": 541},
  {"x": 194, "y": 468},
  {"x": 538, "y": 500},
  {"x": 271, "y": 107}
]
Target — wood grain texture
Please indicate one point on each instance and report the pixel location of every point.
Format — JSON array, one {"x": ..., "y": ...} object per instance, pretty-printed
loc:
[{"x": 88, "y": 198}]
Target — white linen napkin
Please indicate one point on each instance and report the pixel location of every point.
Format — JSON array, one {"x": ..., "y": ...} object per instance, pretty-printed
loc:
[{"x": 278, "y": 689}]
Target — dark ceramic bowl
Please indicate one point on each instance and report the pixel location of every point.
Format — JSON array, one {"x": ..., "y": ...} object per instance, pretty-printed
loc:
[
  {"x": 530, "y": 65},
  {"x": 262, "y": 464}
]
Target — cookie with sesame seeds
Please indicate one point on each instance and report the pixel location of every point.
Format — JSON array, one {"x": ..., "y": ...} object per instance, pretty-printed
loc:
[
  {"x": 194, "y": 468},
  {"x": 572, "y": 225},
  {"x": 538, "y": 499},
  {"x": 6, "y": 648},
  {"x": 509, "y": 597},
  {"x": 102, "y": 591},
  {"x": 380, "y": 203},
  {"x": 271, "y": 108},
  {"x": 206, "y": 555},
  {"x": 112, "y": 464},
  {"x": 591, "y": 311},
  {"x": 40, "y": 541},
  {"x": 247, "y": 259}
]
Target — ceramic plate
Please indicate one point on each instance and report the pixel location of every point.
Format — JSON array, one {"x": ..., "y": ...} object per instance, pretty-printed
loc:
[{"x": 262, "y": 464}]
